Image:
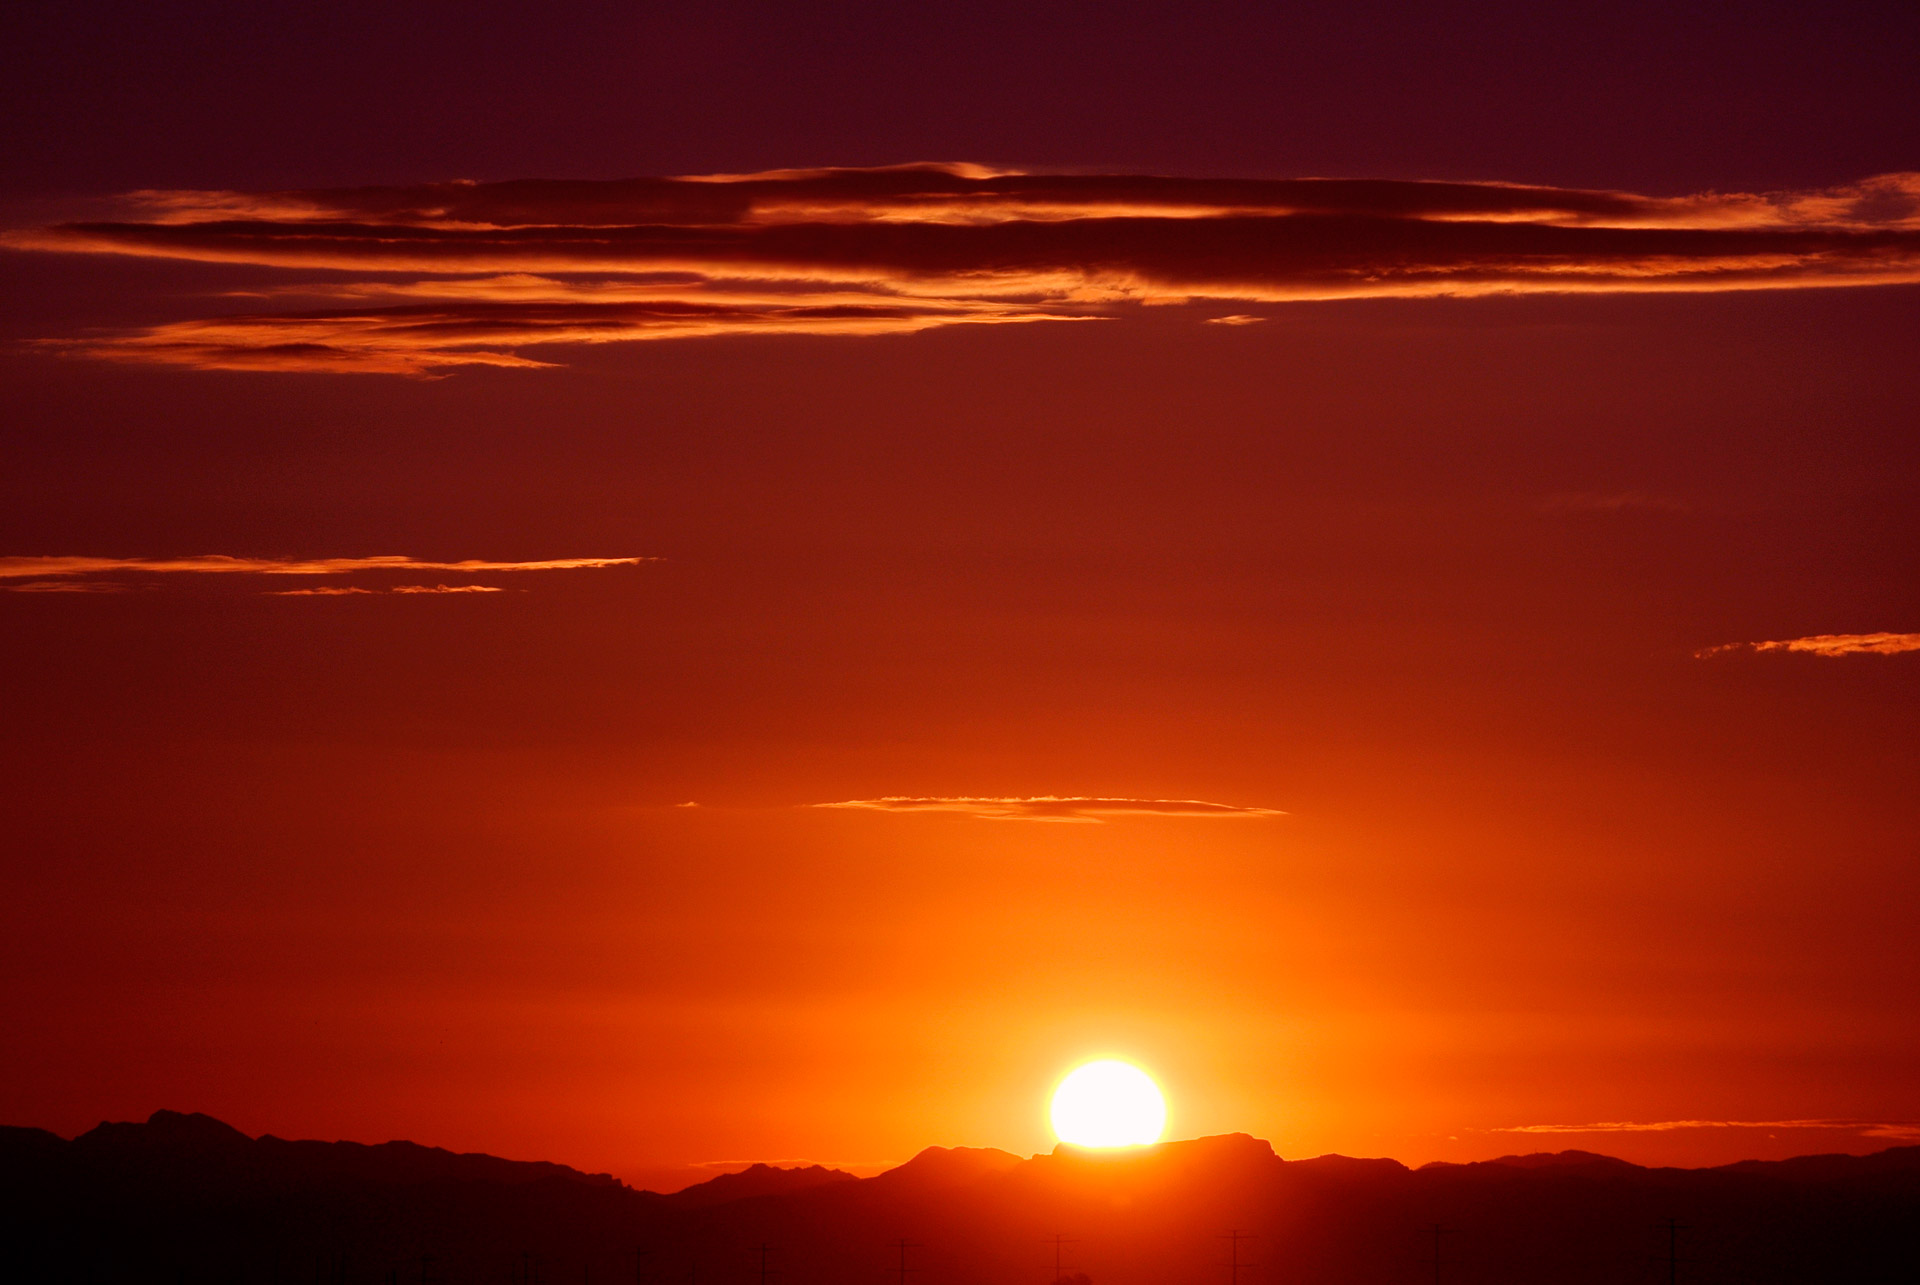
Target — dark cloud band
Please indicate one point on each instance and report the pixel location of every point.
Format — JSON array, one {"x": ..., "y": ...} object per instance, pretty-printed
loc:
[{"x": 509, "y": 266}]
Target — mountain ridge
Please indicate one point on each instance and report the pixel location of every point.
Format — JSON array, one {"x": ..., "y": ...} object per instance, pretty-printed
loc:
[{"x": 187, "y": 1200}]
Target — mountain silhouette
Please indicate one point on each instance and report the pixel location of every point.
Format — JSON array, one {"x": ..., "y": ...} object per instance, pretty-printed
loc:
[
  {"x": 757, "y": 1180},
  {"x": 187, "y": 1200}
]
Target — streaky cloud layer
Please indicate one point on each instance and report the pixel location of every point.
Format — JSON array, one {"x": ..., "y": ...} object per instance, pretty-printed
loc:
[
  {"x": 341, "y": 591},
  {"x": 1881, "y": 644},
  {"x": 1048, "y": 807},
  {"x": 908, "y": 248},
  {"x": 217, "y": 563},
  {"x": 1868, "y": 1128}
]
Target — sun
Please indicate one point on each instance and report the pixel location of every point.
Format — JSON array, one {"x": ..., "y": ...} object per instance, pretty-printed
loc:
[{"x": 1108, "y": 1103}]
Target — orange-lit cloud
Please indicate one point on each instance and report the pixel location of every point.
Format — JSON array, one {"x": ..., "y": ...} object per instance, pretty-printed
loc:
[
  {"x": 972, "y": 194},
  {"x": 1869, "y": 1128},
  {"x": 863, "y": 252},
  {"x": 65, "y": 586},
  {"x": 340, "y": 591},
  {"x": 1053, "y": 808},
  {"x": 1827, "y": 645},
  {"x": 425, "y": 338},
  {"x": 221, "y": 563}
]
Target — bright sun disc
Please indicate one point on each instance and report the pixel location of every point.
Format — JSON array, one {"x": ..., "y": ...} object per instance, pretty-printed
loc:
[{"x": 1108, "y": 1104}]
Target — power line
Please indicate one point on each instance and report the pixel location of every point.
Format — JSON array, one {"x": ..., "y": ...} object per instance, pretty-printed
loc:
[
  {"x": 1057, "y": 1241},
  {"x": 1233, "y": 1239},
  {"x": 1437, "y": 1231},
  {"x": 1673, "y": 1228},
  {"x": 763, "y": 1249},
  {"x": 903, "y": 1246}
]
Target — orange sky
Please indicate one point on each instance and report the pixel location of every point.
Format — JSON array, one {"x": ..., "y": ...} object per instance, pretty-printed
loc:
[{"x": 1427, "y": 665}]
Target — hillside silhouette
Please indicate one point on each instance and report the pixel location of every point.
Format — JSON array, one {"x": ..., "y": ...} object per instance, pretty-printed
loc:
[{"x": 188, "y": 1200}]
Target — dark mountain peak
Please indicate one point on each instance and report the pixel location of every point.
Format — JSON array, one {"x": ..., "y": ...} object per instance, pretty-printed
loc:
[
  {"x": 1228, "y": 1150},
  {"x": 949, "y": 1167},
  {"x": 1218, "y": 1163},
  {"x": 1232, "y": 1147},
  {"x": 1136, "y": 1215},
  {"x": 1351, "y": 1166},
  {"x": 409, "y": 1162},
  {"x": 1894, "y": 1161},
  {"x": 1565, "y": 1160},
  {"x": 1214, "y": 1143},
  {"x": 758, "y": 1180},
  {"x": 184, "y": 1131},
  {"x": 197, "y": 1149},
  {"x": 23, "y": 1146}
]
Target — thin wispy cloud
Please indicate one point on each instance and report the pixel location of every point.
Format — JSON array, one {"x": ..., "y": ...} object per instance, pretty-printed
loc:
[
  {"x": 341, "y": 591},
  {"x": 78, "y": 574},
  {"x": 1866, "y": 1128},
  {"x": 1052, "y": 808},
  {"x": 217, "y": 563},
  {"x": 65, "y": 586},
  {"x": 511, "y": 266},
  {"x": 1882, "y": 644}
]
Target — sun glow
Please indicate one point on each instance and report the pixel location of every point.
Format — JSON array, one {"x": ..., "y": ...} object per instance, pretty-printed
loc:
[{"x": 1108, "y": 1103}]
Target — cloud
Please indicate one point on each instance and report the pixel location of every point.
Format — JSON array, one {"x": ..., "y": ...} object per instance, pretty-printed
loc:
[
  {"x": 1867, "y": 1128},
  {"x": 426, "y": 338},
  {"x": 338, "y": 591},
  {"x": 1826, "y": 645},
  {"x": 1052, "y": 808},
  {"x": 73, "y": 574},
  {"x": 217, "y": 563},
  {"x": 511, "y": 266},
  {"x": 65, "y": 586}
]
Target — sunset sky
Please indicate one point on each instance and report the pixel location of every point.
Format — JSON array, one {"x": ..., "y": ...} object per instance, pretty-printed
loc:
[{"x": 658, "y": 586}]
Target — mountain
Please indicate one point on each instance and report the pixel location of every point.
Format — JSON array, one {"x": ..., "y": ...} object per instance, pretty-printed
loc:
[
  {"x": 755, "y": 1181},
  {"x": 200, "y": 1149},
  {"x": 187, "y": 1200}
]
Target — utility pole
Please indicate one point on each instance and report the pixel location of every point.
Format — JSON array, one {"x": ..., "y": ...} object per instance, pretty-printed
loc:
[
  {"x": 1233, "y": 1239},
  {"x": 1437, "y": 1231},
  {"x": 1057, "y": 1241},
  {"x": 640, "y": 1257},
  {"x": 903, "y": 1246},
  {"x": 763, "y": 1249},
  {"x": 1673, "y": 1228}
]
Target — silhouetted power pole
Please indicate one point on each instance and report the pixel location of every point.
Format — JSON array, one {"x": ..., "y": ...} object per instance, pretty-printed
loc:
[
  {"x": 1437, "y": 1231},
  {"x": 640, "y": 1257},
  {"x": 1673, "y": 1228},
  {"x": 1057, "y": 1241},
  {"x": 1233, "y": 1239},
  {"x": 903, "y": 1246},
  {"x": 763, "y": 1249}
]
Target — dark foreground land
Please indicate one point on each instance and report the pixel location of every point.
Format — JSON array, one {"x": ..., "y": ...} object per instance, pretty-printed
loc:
[{"x": 186, "y": 1200}]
